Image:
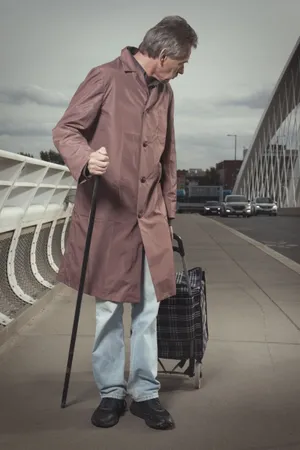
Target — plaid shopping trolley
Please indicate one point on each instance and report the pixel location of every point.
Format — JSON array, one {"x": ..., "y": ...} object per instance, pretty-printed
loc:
[{"x": 182, "y": 329}]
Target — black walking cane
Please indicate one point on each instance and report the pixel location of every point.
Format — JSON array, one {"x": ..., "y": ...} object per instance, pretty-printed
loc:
[{"x": 80, "y": 291}]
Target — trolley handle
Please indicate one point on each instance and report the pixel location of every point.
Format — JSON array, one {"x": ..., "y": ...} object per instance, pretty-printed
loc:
[{"x": 180, "y": 249}]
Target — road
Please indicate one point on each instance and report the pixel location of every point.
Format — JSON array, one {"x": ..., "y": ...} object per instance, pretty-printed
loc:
[{"x": 279, "y": 233}]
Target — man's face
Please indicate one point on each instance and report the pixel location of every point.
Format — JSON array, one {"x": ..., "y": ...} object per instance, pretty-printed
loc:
[{"x": 168, "y": 69}]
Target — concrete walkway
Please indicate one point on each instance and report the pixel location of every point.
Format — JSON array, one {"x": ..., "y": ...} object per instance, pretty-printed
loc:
[{"x": 250, "y": 397}]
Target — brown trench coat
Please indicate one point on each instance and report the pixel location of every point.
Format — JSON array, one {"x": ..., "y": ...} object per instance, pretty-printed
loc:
[{"x": 114, "y": 108}]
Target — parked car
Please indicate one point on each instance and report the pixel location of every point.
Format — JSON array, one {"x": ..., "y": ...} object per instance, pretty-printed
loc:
[
  {"x": 265, "y": 205},
  {"x": 211, "y": 207},
  {"x": 236, "y": 205}
]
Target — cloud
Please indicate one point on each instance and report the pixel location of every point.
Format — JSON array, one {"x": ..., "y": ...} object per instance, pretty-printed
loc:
[
  {"x": 255, "y": 100},
  {"x": 191, "y": 107},
  {"x": 222, "y": 106},
  {"x": 205, "y": 149},
  {"x": 26, "y": 129},
  {"x": 26, "y": 144},
  {"x": 33, "y": 94},
  {"x": 223, "y": 90},
  {"x": 214, "y": 105}
]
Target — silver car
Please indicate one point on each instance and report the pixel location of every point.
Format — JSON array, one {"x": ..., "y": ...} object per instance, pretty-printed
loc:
[
  {"x": 236, "y": 205},
  {"x": 265, "y": 205}
]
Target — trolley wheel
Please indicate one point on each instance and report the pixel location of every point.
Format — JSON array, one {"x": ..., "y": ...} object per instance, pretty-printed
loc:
[{"x": 198, "y": 375}]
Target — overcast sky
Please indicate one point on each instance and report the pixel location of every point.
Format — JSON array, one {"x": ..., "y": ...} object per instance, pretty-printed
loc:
[{"x": 48, "y": 46}]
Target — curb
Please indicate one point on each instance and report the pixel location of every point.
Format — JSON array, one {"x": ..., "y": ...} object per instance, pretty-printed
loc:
[
  {"x": 11, "y": 331},
  {"x": 264, "y": 248},
  {"x": 289, "y": 212}
]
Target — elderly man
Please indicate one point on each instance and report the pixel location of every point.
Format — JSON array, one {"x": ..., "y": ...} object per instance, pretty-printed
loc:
[{"x": 119, "y": 127}]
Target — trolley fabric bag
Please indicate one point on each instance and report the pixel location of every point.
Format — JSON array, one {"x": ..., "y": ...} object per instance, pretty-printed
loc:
[{"x": 182, "y": 328}]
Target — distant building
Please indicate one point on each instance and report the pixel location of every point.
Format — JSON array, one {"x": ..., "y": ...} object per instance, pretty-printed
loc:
[
  {"x": 190, "y": 177},
  {"x": 181, "y": 179},
  {"x": 228, "y": 170},
  {"x": 196, "y": 172},
  {"x": 194, "y": 176}
]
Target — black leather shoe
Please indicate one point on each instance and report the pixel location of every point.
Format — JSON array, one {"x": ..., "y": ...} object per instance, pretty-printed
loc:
[
  {"x": 108, "y": 412},
  {"x": 153, "y": 414}
]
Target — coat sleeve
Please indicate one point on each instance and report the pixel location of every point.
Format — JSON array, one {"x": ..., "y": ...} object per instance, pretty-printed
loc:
[
  {"x": 169, "y": 166},
  {"x": 69, "y": 135}
]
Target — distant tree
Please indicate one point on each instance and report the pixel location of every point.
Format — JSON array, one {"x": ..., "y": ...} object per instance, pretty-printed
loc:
[
  {"x": 52, "y": 156},
  {"x": 211, "y": 178},
  {"x": 26, "y": 154}
]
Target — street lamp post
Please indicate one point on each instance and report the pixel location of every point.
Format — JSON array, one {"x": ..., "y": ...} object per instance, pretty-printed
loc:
[{"x": 235, "y": 143}]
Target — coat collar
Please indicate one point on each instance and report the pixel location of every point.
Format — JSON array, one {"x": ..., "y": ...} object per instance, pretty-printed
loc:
[
  {"x": 130, "y": 64},
  {"x": 128, "y": 61}
]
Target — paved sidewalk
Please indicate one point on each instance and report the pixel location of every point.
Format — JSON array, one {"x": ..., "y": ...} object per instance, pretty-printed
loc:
[{"x": 250, "y": 397}]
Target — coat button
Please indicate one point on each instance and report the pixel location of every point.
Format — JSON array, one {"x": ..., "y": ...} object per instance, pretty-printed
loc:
[
  {"x": 140, "y": 215},
  {"x": 145, "y": 143},
  {"x": 143, "y": 179}
]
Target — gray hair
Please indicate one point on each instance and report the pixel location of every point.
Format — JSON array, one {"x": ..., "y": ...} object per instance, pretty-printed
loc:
[{"x": 172, "y": 34}]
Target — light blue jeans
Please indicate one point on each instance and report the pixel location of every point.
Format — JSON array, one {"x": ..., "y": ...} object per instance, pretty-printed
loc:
[{"x": 109, "y": 349}]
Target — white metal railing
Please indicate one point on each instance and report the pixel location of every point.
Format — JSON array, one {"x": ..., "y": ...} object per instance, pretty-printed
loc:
[{"x": 34, "y": 215}]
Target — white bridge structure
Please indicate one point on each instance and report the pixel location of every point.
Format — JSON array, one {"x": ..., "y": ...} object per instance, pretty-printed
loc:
[
  {"x": 271, "y": 166},
  {"x": 35, "y": 209}
]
